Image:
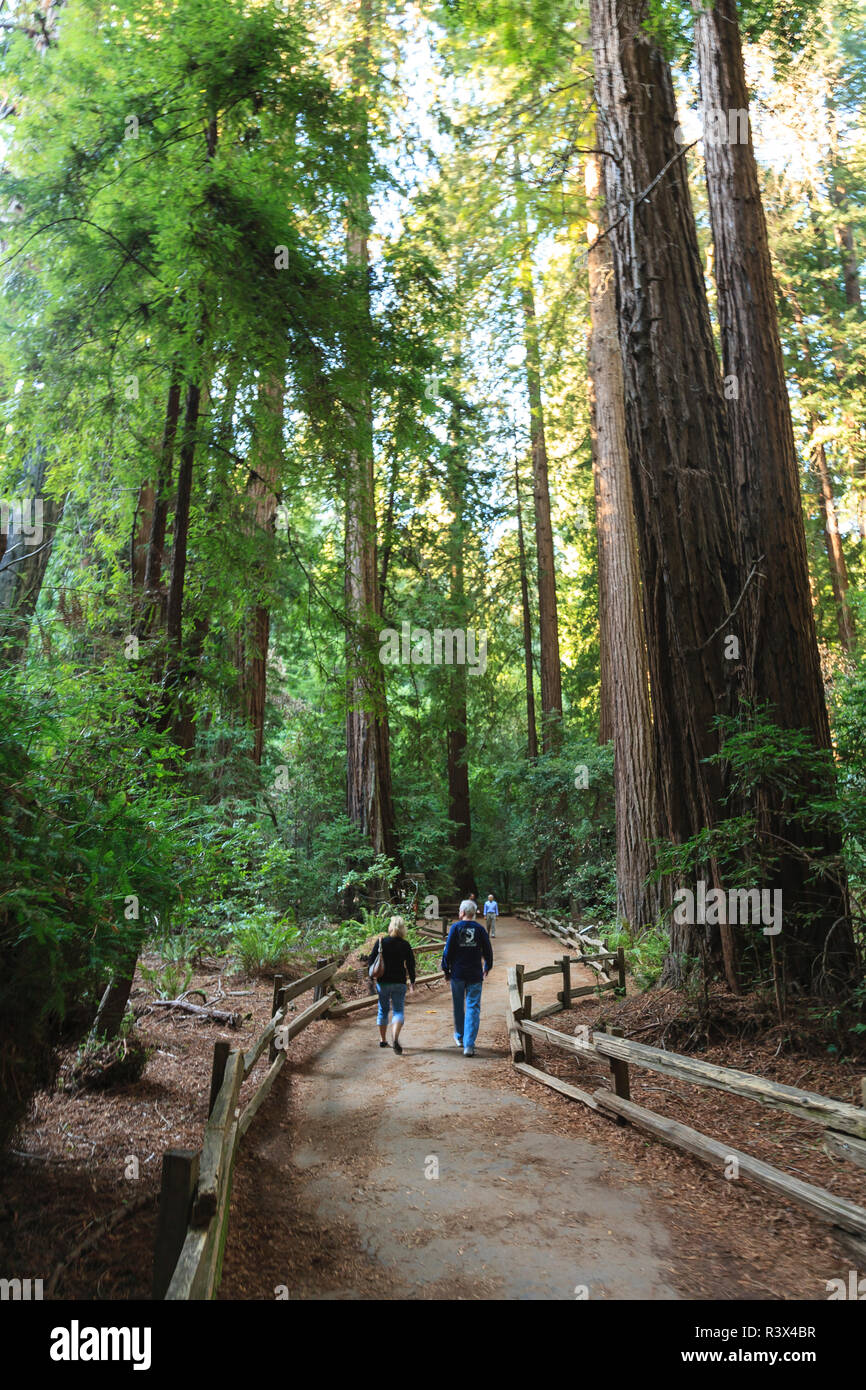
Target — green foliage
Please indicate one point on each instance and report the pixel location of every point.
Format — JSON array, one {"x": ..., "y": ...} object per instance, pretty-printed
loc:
[
  {"x": 262, "y": 945},
  {"x": 645, "y": 953},
  {"x": 168, "y": 982},
  {"x": 86, "y": 825}
]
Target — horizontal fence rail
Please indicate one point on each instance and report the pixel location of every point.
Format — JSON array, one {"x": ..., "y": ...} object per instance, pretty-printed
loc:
[
  {"x": 196, "y": 1186},
  {"x": 844, "y": 1123}
]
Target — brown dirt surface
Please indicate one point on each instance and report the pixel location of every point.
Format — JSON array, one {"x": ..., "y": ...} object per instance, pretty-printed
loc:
[{"x": 70, "y": 1160}]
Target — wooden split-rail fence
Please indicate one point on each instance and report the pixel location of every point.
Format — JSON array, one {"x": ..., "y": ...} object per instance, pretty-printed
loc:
[
  {"x": 196, "y": 1186},
  {"x": 844, "y": 1124}
]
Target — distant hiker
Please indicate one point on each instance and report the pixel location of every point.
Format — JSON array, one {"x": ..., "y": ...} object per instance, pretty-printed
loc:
[
  {"x": 491, "y": 912},
  {"x": 466, "y": 961},
  {"x": 398, "y": 958}
]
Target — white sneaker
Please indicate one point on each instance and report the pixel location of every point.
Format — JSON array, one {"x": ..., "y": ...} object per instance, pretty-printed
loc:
[
  {"x": 458, "y": 1041},
  {"x": 469, "y": 1052}
]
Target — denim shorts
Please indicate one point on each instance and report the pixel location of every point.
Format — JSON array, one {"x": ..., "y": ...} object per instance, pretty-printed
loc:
[{"x": 394, "y": 997}]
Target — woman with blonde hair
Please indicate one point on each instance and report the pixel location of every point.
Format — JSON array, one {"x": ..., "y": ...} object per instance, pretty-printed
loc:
[{"x": 398, "y": 958}]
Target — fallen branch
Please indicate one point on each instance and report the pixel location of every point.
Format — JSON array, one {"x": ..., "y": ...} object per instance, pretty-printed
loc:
[{"x": 215, "y": 1015}]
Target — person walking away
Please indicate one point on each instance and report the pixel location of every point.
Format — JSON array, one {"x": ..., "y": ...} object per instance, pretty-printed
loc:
[
  {"x": 491, "y": 912},
  {"x": 466, "y": 962},
  {"x": 399, "y": 960}
]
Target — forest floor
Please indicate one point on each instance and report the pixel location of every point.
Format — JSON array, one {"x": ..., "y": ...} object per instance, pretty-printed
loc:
[{"x": 536, "y": 1195}]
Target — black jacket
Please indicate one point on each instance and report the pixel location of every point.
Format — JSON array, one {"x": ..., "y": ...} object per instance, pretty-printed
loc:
[
  {"x": 399, "y": 957},
  {"x": 468, "y": 954}
]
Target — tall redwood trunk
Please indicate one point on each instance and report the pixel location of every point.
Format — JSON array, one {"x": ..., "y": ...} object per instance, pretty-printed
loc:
[
  {"x": 531, "y": 729},
  {"x": 180, "y": 530},
  {"x": 262, "y": 496},
  {"x": 837, "y": 180},
  {"x": 368, "y": 747},
  {"x": 152, "y": 580},
  {"x": 456, "y": 708},
  {"x": 140, "y": 534},
  {"x": 779, "y": 649},
  {"x": 624, "y": 674},
  {"x": 22, "y": 564},
  {"x": 826, "y": 497},
  {"x": 548, "y": 621},
  {"x": 675, "y": 432}
]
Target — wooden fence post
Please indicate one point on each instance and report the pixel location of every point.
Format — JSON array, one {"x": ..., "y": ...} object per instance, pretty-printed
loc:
[
  {"x": 278, "y": 984},
  {"x": 619, "y": 1076},
  {"x": 520, "y": 969},
  {"x": 280, "y": 1002},
  {"x": 221, "y": 1052},
  {"x": 179, "y": 1177},
  {"x": 319, "y": 990},
  {"x": 527, "y": 1013},
  {"x": 564, "y": 995},
  {"x": 620, "y": 965}
]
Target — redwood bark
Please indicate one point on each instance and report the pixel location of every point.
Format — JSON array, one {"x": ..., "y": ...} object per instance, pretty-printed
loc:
[
  {"x": 140, "y": 533},
  {"x": 531, "y": 729},
  {"x": 368, "y": 755},
  {"x": 456, "y": 710},
  {"x": 624, "y": 674},
  {"x": 368, "y": 744},
  {"x": 23, "y": 566},
  {"x": 180, "y": 535},
  {"x": 152, "y": 582},
  {"x": 676, "y": 434},
  {"x": 826, "y": 498},
  {"x": 263, "y": 485},
  {"x": 779, "y": 648},
  {"x": 548, "y": 620}
]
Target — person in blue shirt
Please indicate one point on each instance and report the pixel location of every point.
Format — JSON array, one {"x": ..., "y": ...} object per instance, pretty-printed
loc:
[
  {"x": 466, "y": 962},
  {"x": 491, "y": 912}
]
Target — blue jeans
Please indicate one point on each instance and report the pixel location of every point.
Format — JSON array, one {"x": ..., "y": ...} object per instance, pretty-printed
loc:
[
  {"x": 466, "y": 999},
  {"x": 394, "y": 997}
]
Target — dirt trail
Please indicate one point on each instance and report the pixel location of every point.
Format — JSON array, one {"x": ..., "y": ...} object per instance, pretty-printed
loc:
[{"x": 432, "y": 1176}]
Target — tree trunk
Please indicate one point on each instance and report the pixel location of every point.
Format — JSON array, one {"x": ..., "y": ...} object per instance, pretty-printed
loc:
[
  {"x": 263, "y": 486},
  {"x": 368, "y": 752},
  {"x": 675, "y": 434},
  {"x": 548, "y": 622},
  {"x": 23, "y": 566},
  {"x": 779, "y": 648},
  {"x": 624, "y": 675},
  {"x": 826, "y": 498},
  {"x": 531, "y": 730},
  {"x": 141, "y": 526},
  {"x": 548, "y": 619},
  {"x": 175, "y": 713},
  {"x": 152, "y": 582},
  {"x": 180, "y": 533},
  {"x": 456, "y": 679},
  {"x": 844, "y": 237},
  {"x": 112, "y": 1005}
]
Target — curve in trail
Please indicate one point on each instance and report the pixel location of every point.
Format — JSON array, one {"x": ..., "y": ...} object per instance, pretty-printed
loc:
[{"x": 432, "y": 1176}]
